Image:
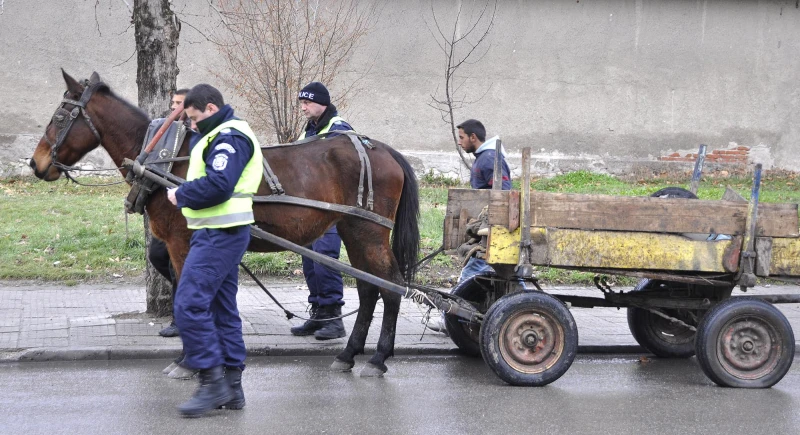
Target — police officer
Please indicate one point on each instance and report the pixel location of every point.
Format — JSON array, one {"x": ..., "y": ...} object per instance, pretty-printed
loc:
[
  {"x": 325, "y": 286},
  {"x": 224, "y": 173}
]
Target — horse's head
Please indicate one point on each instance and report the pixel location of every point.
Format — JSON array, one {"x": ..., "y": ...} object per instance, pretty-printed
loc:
[{"x": 70, "y": 135}]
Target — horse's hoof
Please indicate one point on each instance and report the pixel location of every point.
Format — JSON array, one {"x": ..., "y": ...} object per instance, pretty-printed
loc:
[
  {"x": 372, "y": 371},
  {"x": 341, "y": 366}
]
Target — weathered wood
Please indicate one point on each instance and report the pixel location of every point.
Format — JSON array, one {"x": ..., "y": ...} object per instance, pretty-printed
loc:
[
  {"x": 732, "y": 195},
  {"x": 665, "y": 215},
  {"x": 466, "y": 203},
  {"x": 498, "y": 207},
  {"x": 615, "y": 250},
  {"x": 785, "y": 257},
  {"x": 763, "y": 255},
  {"x": 513, "y": 210}
]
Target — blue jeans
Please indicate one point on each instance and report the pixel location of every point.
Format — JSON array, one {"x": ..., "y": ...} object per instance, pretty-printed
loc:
[{"x": 474, "y": 266}]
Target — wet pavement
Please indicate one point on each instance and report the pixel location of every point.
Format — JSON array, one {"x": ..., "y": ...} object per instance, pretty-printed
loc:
[
  {"x": 51, "y": 321},
  {"x": 427, "y": 394}
]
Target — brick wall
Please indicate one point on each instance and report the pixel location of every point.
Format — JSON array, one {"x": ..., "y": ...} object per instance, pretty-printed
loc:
[{"x": 731, "y": 156}]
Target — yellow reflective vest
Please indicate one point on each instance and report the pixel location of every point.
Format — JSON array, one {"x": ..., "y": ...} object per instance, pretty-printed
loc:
[
  {"x": 238, "y": 210},
  {"x": 325, "y": 129}
]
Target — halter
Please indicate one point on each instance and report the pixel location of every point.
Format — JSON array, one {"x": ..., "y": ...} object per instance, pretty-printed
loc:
[{"x": 63, "y": 120}]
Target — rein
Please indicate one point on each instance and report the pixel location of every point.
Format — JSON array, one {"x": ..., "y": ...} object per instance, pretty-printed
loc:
[{"x": 63, "y": 120}]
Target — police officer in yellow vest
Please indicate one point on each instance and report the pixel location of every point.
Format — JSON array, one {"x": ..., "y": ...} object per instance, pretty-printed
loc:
[
  {"x": 217, "y": 201},
  {"x": 324, "y": 285}
]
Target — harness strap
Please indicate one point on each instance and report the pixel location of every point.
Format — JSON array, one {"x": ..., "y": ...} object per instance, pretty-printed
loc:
[
  {"x": 364, "y": 159},
  {"x": 347, "y": 209},
  {"x": 272, "y": 180}
]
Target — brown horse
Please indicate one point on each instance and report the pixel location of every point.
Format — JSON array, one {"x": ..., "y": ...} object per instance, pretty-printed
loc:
[{"x": 326, "y": 170}]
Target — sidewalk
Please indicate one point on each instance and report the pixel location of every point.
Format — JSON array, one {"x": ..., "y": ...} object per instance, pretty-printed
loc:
[{"x": 107, "y": 321}]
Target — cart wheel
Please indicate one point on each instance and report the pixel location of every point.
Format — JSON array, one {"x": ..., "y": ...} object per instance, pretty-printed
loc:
[
  {"x": 464, "y": 334},
  {"x": 745, "y": 342},
  {"x": 661, "y": 336},
  {"x": 529, "y": 338}
]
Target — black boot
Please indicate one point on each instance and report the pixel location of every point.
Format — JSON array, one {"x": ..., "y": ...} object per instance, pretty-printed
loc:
[
  {"x": 213, "y": 392},
  {"x": 234, "y": 377},
  {"x": 170, "y": 331},
  {"x": 310, "y": 325},
  {"x": 330, "y": 328}
]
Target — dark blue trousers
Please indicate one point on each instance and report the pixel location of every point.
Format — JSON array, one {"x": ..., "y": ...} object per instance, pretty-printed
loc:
[
  {"x": 205, "y": 303},
  {"x": 324, "y": 285}
]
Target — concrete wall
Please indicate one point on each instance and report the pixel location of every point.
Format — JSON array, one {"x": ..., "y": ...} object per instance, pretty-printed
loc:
[{"x": 601, "y": 84}]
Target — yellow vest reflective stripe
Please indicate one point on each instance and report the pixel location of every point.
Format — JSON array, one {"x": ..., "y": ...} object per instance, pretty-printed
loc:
[
  {"x": 238, "y": 210},
  {"x": 325, "y": 129}
]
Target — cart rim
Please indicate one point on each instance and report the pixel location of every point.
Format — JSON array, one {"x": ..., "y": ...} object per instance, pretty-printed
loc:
[
  {"x": 532, "y": 341},
  {"x": 749, "y": 347}
]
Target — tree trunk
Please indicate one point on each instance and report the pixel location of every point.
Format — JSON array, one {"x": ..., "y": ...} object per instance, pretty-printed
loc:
[{"x": 157, "y": 33}]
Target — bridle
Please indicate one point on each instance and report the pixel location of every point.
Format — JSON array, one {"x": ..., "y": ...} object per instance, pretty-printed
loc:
[{"x": 63, "y": 120}]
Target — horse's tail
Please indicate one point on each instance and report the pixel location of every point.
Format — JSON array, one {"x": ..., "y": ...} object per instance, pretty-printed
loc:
[{"x": 405, "y": 236}]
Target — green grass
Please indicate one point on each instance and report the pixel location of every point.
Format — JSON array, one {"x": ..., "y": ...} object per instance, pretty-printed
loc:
[{"x": 65, "y": 232}]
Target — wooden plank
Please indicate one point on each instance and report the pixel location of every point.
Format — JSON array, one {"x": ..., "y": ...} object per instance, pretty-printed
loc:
[
  {"x": 763, "y": 255},
  {"x": 461, "y": 203},
  {"x": 498, "y": 207},
  {"x": 616, "y": 250},
  {"x": 662, "y": 215},
  {"x": 732, "y": 195},
  {"x": 448, "y": 232},
  {"x": 785, "y": 258},
  {"x": 513, "y": 210}
]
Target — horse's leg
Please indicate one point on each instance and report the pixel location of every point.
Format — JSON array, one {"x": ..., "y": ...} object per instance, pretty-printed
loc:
[
  {"x": 367, "y": 299},
  {"x": 374, "y": 256}
]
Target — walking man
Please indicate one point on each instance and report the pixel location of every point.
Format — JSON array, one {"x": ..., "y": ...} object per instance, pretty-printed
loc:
[
  {"x": 326, "y": 290},
  {"x": 224, "y": 174}
]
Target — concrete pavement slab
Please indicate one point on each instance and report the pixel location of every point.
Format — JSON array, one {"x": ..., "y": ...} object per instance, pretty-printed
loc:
[{"x": 52, "y": 321}]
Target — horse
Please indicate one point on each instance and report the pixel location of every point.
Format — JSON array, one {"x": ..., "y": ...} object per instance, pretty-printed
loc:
[{"x": 328, "y": 170}]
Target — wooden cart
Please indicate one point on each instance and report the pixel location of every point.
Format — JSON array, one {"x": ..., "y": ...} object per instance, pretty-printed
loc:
[{"x": 690, "y": 253}]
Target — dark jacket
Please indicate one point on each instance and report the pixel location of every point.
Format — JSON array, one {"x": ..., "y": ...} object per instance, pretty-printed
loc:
[{"x": 482, "y": 175}]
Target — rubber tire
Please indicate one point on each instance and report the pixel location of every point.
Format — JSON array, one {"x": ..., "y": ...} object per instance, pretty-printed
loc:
[
  {"x": 464, "y": 334},
  {"x": 505, "y": 310},
  {"x": 673, "y": 192},
  {"x": 711, "y": 328},
  {"x": 644, "y": 327}
]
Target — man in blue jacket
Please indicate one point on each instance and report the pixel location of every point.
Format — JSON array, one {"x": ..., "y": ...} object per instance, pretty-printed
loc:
[
  {"x": 217, "y": 200},
  {"x": 326, "y": 290},
  {"x": 472, "y": 139}
]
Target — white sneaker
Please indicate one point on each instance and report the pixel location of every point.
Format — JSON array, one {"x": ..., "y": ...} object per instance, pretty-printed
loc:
[
  {"x": 182, "y": 372},
  {"x": 170, "y": 368}
]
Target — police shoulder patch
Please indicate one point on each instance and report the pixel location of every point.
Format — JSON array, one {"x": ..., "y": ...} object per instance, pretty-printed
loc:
[
  {"x": 220, "y": 162},
  {"x": 225, "y": 131},
  {"x": 225, "y": 147}
]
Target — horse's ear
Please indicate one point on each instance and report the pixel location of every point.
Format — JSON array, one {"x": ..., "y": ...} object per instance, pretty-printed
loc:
[
  {"x": 72, "y": 85},
  {"x": 95, "y": 78}
]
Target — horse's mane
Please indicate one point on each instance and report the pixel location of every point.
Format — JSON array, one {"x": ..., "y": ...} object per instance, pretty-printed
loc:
[{"x": 130, "y": 129}]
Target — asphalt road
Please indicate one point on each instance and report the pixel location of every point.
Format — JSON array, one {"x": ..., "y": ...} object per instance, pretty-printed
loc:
[{"x": 419, "y": 395}]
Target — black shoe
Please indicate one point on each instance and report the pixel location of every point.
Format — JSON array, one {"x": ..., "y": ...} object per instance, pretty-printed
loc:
[
  {"x": 170, "y": 331},
  {"x": 234, "y": 378},
  {"x": 310, "y": 325},
  {"x": 213, "y": 392},
  {"x": 330, "y": 328}
]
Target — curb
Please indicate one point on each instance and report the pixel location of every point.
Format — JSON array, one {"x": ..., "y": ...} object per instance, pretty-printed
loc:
[{"x": 114, "y": 353}]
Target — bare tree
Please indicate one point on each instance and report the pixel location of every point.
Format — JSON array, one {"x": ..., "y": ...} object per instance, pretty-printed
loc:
[
  {"x": 459, "y": 47},
  {"x": 274, "y": 47},
  {"x": 157, "y": 34}
]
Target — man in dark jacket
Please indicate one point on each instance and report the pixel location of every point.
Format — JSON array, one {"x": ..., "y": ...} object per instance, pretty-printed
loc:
[
  {"x": 326, "y": 290},
  {"x": 225, "y": 171},
  {"x": 472, "y": 139}
]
